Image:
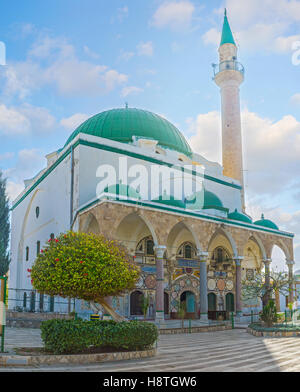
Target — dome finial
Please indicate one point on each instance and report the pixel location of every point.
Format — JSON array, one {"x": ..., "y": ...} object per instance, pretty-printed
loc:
[
  {"x": 262, "y": 216},
  {"x": 225, "y": 12},
  {"x": 126, "y": 105}
]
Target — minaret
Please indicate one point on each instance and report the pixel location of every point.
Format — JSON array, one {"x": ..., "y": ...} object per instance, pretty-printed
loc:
[{"x": 229, "y": 74}]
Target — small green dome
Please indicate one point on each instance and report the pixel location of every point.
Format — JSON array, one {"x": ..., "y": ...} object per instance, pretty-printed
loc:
[
  {"x": 122, "y": 124},
  {"x": 266, "y": 223},
  {"x": 169, "y": 200},
  {"x": 204, "y": 200},
  {"x": 122, "y": 190},
  {"x": 239, "y": 216}
]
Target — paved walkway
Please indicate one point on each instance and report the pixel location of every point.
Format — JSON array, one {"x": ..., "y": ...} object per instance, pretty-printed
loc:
[{"x": 233, "y": 350}]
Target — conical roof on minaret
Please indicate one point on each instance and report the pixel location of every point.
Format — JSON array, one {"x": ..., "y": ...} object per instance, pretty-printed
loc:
[{"x": 227, "y": 37}]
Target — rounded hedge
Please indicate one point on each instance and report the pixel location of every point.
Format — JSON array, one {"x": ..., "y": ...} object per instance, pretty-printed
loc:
[{"x": 75, "y": 336}]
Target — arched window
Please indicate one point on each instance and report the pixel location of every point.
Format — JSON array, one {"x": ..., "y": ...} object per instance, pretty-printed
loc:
[
  {"x": 136, "y": 298},
  {"x": 186, "y": 251},
  {"x": 27, "y": 253},
  {"x": 37, "y": 212},
  {"x": 149, "y": 247},
  {"x": 145, "y": 251},
  {"x": 220, "y": 255}
]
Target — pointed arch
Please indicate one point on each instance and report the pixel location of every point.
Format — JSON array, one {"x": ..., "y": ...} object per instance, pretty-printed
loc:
[
  {"x": 220, "y": 231},
  {"x": 91, "y": 224},
  {"x": 181, "y": 232},
  {"x": 133, "y": 228}
]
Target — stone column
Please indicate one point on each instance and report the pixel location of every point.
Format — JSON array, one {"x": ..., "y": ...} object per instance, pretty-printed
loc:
[
  {"x": 238, "y": 285},
  {"x": 267, "y": 263},
  {"x": 159, "y": 299},
  {"x": 203, "y": 256},
  {"x": 290, "y": 264}
]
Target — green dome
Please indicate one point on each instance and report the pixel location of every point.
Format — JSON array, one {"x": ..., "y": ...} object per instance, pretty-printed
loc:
[
  {"x": 204, "y": 200},
  {"x": 122, "y": 190},
  {"x": 266, "y": 223},
  {"x": 239, "y": 216},
  {"x": 122, "y": 124},
  {"x": 169, "y": 200}
]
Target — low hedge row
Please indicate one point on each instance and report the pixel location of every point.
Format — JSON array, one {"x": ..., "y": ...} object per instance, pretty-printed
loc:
[
  {"x": 74, "y": 336},
  {"x": 275, "y": 328}
]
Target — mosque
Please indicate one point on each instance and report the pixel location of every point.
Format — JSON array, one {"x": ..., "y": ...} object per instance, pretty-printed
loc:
[{"x": 130, "y": 175}]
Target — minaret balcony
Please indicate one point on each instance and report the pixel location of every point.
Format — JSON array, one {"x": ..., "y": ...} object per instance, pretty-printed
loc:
[{"x": 232, "y": 65}]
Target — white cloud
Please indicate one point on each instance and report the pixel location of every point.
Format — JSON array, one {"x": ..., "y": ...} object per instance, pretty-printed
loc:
[
  {"x": 24, "y": 120},
  {"x": 13, "y": 190},
  {"x": 6, "y": 155},
  {"x": 90, "y": 53},
  {"x": 176, "y": 15},
  {"x": 131, "y": 90},
  {"x": 145, "y": 49},
  {"x": 29, "y": 163},
  {"x": 122, "y": 13},
  {"x": 125, "y": 55},
  {"x": 295, "y": 99},
  {"x": 260, "y": 25},
  {"x": 74, "y": 121},
  {"x": 52, "y": 61},
  {"x": 271, "y": 148}
]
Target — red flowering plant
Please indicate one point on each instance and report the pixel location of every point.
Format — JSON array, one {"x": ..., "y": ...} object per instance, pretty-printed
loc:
[{"x": 84, "y": 266}]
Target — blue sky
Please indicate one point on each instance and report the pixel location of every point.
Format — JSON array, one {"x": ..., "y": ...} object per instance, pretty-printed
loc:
[{"x": 69, "y": 59}]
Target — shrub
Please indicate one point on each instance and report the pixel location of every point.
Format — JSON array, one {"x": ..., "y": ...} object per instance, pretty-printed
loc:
[
  {"x": 269, "y": 314},
  {"x": 74, "y": 336},
  {"x": 133, "y": 335}
]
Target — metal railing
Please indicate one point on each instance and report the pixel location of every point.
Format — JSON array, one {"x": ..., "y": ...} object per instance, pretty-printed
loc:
[
  {"x": 228, "y": 65},
  {"x": 23, "y": 300}
]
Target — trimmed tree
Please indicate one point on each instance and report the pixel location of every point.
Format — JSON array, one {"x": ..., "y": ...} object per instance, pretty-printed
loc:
[
  {"x": 4, "y": 227},
  {"x": 84, "y": 266}
]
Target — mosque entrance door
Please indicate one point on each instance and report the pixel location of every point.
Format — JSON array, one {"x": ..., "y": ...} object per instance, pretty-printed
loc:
[
  {"x": 212, "y": 305},
  {"x": 136, "y": 303},
  {"x": 189, "y": 298}
]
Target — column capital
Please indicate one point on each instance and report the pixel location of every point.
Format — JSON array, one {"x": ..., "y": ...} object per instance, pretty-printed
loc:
[
  {"x": 159, "y": 251},
  {"x": 203, "y": 256},
  {"x": 267, "y": 262},
  {"x": 238, "y": 260},
  {"x": 290, "y": 262}
]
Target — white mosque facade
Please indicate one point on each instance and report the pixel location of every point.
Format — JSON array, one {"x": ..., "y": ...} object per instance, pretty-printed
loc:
[{"x": 130, "y": 175}]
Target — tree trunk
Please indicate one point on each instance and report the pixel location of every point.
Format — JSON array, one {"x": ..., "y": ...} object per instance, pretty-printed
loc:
[{"x": 108, "y": 309}]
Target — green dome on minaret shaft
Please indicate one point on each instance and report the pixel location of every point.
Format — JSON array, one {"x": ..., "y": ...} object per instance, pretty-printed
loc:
[{"x": 227, "y": 37}]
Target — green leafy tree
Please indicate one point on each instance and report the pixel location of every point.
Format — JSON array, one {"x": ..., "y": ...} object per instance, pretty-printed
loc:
[
  {"x": 84, "y": 266},
  {"x": 4, "y": 228}
]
